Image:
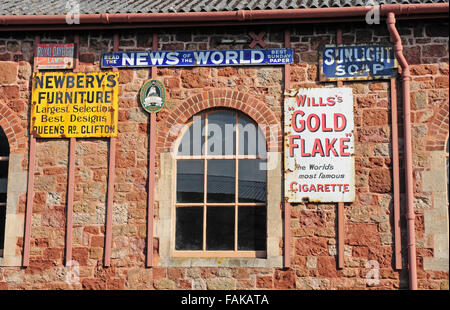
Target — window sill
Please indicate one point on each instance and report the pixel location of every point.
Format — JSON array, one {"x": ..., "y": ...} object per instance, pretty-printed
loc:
[
  {"x": 251, "y": 262},
  {"x": 215, "y": 254}
]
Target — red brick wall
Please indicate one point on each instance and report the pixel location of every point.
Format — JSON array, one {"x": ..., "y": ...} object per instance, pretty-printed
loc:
[{"x": 369, "y": 232}]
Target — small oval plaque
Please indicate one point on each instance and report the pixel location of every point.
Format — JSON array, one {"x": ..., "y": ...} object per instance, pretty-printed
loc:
[{"x": 152, "y": 96}]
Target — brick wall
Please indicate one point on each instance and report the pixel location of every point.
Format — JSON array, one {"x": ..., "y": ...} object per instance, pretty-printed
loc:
[{"x": 369, "y": 231}]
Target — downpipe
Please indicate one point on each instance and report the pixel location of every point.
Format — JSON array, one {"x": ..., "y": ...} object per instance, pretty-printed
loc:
[{"x": 410, "y": 216}]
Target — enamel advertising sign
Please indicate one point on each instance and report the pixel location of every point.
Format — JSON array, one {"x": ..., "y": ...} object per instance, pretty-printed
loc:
[
  {"x": 55, "y": 56},
  {"x": 152, "y": 96},
  {"x": 74, "y": 104},
  {"x": 357, "y": 62},
  {"x": 275, "y": 56},
  {"x": 319, "y": 145}
]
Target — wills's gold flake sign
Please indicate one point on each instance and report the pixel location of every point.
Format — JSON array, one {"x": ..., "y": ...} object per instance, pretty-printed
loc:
[
  {"x": 74, "y": 105},
  {"x": 319, "y": 157}
]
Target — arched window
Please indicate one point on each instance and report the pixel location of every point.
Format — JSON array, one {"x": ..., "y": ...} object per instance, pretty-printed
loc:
[
  {"x": 221, "y": 180},
  {"x": 4, "y": 161}
]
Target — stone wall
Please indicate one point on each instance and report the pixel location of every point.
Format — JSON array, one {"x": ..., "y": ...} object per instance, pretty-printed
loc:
[{"x": 369, "y": 231}]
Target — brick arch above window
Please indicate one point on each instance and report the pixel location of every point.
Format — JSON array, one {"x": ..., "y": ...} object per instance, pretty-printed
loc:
[
  {"x": 223, "y": 98},
  {"x": 12, "y": 126},
  {"x": 438, "y": 128}
]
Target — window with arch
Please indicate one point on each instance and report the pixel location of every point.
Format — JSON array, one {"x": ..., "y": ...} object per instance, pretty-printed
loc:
[
  {"x": 4, "y": 163},
  {"x": 221, "y": 180}
]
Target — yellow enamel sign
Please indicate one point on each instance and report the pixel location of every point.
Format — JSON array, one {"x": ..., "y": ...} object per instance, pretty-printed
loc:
[{"x": 68, "y": 104}]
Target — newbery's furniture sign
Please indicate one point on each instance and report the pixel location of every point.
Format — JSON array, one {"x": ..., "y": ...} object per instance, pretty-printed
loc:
[
  {"x": 319, "y": 145},
  {"x": 74, "y": 104}
]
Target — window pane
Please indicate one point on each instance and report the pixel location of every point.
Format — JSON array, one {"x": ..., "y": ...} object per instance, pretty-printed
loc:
[
  {"x": 447, "y": 172},
  {"x": 3, "y": 168},
  {"x": 221, "y": 181},
  {"x": 189, "y": 228},
  {"x": 220, "y": 228},
  {"x": 190, "y": 174},
  {"x": 252, "y": 180},
  {"x": 3, "y": 187},
  {"x": 251, "y": 139},
  {"x": 4, "y": 145},
  {"x": 221, "y": 133},
  {"x": 252, "y": 228},
  {"x": 446, "y": 150},
  {"x": 2, "y": 226},
  {"x": 192, "y": 142}
]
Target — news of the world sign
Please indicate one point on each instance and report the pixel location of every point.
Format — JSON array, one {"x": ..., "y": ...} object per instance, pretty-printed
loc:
[{"x": 275, "y": 56}]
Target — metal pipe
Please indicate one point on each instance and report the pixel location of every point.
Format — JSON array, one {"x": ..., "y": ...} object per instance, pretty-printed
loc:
[
  {"x": 410, "y": 216},
  {"x": 287, "y": 205},
  {"x": 241, "y": 15},
  {"x": 151, "y": 188},
  {"x": 340, "y": 206},
  {"x": 110, "y": 200},
  {"x": 413, "y": 9},
  {"x": 111, "y": 180},
  {"x": 287, "y": 234},
  {"x": 341, "y": 229},
  {"x": 396, "y": 176},
  {"x": 30, "y": 185},
  {"x": 287, "y": 67},
  {"x": 70, "y": 194},
  {"x": 151, "y": 170},
  {"x": 154, "y": 72},
  {"x": 205, "y": 24},
  {"x": 71, "y": 174},
  {"x": 30, "y": 194}
]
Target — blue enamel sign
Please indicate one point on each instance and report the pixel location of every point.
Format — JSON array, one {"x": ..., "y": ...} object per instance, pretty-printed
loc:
[
  {"x": 275, "y": 56},
  {"x": 357, "y": 62}
]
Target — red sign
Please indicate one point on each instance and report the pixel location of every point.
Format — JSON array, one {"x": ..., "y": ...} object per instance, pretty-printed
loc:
[
  {"x": 55, "y": 56},
  {"x": 319, "y": 145}
]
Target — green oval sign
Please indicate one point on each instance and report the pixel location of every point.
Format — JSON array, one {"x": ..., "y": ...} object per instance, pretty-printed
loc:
[{"x": 152, "y": 96}]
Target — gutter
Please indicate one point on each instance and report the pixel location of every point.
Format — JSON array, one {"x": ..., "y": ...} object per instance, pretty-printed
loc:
[
  {"x": 410, "y": 216},
  {"x": 105, "y": 20}
]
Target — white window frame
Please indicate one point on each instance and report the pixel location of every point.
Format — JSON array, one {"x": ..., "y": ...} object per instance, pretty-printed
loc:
[{"x": 165, "y": 221}]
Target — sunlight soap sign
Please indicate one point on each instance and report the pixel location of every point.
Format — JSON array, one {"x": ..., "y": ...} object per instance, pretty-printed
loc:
[{"x": 357, "y": 62}]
